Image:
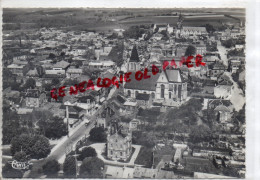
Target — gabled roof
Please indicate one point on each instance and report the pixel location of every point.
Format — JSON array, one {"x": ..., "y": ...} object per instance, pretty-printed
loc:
[
  {"x": 62, "y": 64},
  {"x": 222, "y": 108},
  {"x": 145, "y": 84},
  {"x": 85, "y": 99},
  {"x": 173, "y": 75},
  {"x": 134, "y": 55}
]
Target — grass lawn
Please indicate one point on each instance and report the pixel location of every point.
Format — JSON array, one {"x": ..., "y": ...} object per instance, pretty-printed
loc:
[
  {"x": 145, "y": 157},
  {"x": 160, "y": 152},
  {"x": 7, "y": 152}
]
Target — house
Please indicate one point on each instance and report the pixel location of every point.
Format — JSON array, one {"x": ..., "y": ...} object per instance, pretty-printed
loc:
[
  {"x": 50, "y": 74},
  {"x": 34, "y": 98},
  {"x": 224, "y": 113},
  {"x": 201, "y": 49},
  {"x": 61, "y": 65},
  {"x": 73, "y": 72},
  {"x": 148, "y": 173},
  {"x": 79, "y": 51},
  {"x": 115, "y": 172},
  {"x": 73, "y": 114},
  {"x": 133, "y": 124},
  {"x": 223, "y": 88},
  {"x": 188, "y": 31},
  {"x": 32, "y": 73},
  {"x": 16, "y": 69},
  {"x": 216, "y": 69},
  {"x": 101, "y": 65},
  {"x": 144, "y": 100},
  {"x": 105, "y": 116},
  {"x": 88, "y": 103},
  {"x": 129, "y": 107},
  {"x": 119, "y": 145}
]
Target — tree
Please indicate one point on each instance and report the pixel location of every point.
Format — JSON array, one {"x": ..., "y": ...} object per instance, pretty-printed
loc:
[
  {"x": 87, "y": 152},
  {"x": 9, "y": 172},
  {"x": 228, "y": 43},
  {"x": 51, "y": 168},
  {"x": 91, "y": 167},
  {"x": 190, "y": 51},
  {"x": 36, "y": 146},
  {"x": 52, "y": 56},
  {"x": 41, "y": 148},
  {"x": 11, "y": 125},
  {"x": 210, "y": 28},
  {"x": 30, "y": 83},
  {"x": 40, "y": 70},
  {"x": 53, "y": 127},
  {"x": 69, "y": 166},
  {"x": 200, "y": 133},
  {"x": 97, "y": 134},
  {"x": 21, "y": 156}
]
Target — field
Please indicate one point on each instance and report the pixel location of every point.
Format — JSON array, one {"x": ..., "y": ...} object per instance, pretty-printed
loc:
[{"x": 109, "y": 19}]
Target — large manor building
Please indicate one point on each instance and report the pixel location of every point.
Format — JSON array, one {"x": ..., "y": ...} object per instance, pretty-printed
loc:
[{"x": 119, "y": 143}]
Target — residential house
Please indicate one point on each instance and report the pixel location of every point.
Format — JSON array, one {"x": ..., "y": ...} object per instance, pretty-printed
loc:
[
  {"x": 34, "y": 98},
  {"x": 16, "y": 69},
  {"x": 73, "y": 72},
  {"x": 224, "y": 113},
  {"x": 61, "y": 65},
  {"x": 115, "y": 172},
  {"x": 223, "y": 87},
  {"x": 144, "y": 100}
]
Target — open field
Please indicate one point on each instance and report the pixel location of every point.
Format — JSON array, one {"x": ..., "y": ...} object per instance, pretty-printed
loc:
[{"x": 106, "y": 20}]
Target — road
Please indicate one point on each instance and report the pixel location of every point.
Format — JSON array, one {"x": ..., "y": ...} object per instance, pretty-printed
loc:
[
  {"x": 223, "y": 53},
  {"x": 60, "y": 151}
]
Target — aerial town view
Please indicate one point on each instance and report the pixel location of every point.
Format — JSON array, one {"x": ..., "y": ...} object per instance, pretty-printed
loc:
[{"x": 123, "y": 93}]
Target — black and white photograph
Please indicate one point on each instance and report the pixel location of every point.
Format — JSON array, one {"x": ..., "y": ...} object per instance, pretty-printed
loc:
[{"x": 124, "y": 93}]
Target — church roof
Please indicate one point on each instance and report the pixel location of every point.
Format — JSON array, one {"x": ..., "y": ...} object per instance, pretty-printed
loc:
[
  {"x": 174, "y": 75},
  {"x": 134, "y": 55},
  {"x": 144, "y": 84}
]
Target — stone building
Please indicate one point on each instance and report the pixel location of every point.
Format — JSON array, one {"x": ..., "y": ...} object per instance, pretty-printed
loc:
[{"x": 119, "y": 144}]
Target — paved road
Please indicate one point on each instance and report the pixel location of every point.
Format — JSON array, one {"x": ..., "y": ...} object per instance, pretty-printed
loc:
[
  {"x": 60, "y": 152},
  {"x": 223, "y": 53}
]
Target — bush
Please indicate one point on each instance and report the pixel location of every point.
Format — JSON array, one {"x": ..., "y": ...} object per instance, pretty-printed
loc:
[
  {"x": 87, "y": 152},
  {"x": 51, "y": 168}
]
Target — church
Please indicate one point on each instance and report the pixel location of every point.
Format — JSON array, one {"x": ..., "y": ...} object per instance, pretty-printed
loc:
[
  {"x": 166, "y": 86},
  {"x": 169, "y": 85},
  {"x": 119, "y": 142}
]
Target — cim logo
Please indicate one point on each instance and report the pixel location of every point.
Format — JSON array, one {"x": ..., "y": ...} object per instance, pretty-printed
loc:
[{"x": 20, "y": 165}]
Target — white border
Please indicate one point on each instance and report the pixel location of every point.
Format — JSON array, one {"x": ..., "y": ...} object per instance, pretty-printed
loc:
[{"x": 252, "y": 53}]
